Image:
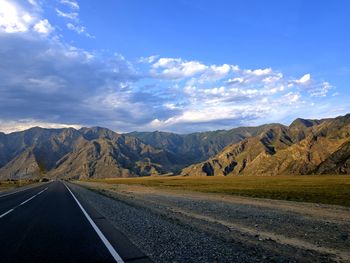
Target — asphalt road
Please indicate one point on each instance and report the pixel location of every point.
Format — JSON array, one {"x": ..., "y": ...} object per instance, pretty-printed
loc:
[{"x": 48, "y": 223}]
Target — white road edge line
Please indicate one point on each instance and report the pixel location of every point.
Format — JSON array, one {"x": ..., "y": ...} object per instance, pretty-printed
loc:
[
  {"x": 4, "y": 214},
  {"x": 110, "y": 248},
  {"x": 30, "y": 198}
]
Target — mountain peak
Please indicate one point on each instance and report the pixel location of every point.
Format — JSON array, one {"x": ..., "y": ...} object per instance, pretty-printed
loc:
[
  {"x": 97, "y": 132},
  {"x": 303, "y": 123}
]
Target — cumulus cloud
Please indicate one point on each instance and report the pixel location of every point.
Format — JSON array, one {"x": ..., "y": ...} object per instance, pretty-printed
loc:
[
  {"x": 43, "y": 27},
  {"x": 47, "y": 82},
  {"x": 225, "y": 96},
  {"x": 16, "y": 19},
  {"x": 13, "y": 19},
  {"x": 176, "y": 68}
]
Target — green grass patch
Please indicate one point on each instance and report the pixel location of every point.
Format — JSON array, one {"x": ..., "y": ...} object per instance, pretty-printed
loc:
[{"x": 317, "y": 189}]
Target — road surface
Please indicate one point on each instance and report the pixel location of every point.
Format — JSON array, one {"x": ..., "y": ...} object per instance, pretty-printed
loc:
[{"x": 49, "y": 223}]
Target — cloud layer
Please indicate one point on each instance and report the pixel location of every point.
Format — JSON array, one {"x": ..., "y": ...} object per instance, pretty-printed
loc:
[{"x": 47, "y": 82}]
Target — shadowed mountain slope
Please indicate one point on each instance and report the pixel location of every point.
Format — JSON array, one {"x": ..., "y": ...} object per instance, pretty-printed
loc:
[
  {"x": 196, "y": 147},
  {"x": 304, "y": 147},
  {"x": 337, "y": 162}
]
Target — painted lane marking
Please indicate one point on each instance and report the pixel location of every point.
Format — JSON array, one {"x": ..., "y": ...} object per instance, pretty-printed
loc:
[
  {"x": 30, "y": 198},
  {"x": 42, "y": 191},
  {"x": 110, "y": 248},
  {"x": 27, "y": 200},
  {"x": 4, "y": 214}
]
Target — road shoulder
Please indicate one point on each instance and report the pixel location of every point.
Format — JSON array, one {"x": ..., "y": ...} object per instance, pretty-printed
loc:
[
  {"x": 125, "y": 248},
  {"x": 225, "y": 223}
]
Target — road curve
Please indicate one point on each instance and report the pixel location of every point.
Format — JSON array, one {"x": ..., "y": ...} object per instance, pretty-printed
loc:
[{"x": 48, "y": 223}]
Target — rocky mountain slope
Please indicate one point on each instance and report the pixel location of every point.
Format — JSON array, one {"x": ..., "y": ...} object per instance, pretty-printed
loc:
[
  {"x": 88, "y": 152},
  {"x": 197, "y": 147},
  {"x": 305, "y": 147}
]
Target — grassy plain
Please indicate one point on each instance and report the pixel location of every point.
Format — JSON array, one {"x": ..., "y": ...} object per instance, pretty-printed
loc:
[{"x": 317, "y": 189}]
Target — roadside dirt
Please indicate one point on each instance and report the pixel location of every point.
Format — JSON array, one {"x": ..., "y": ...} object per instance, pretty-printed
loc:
[{"x": 271, "y": 224}]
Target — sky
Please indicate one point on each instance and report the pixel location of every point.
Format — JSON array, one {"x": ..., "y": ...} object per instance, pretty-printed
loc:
[{"x": 180, "y": 66}]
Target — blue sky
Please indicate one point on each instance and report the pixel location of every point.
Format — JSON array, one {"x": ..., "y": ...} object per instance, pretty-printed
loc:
[{"x": 179, "y": 66}]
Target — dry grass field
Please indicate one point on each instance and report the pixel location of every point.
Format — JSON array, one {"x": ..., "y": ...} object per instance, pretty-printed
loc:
[
  {"x": 317, "y": 189},
  {"x": 10, "y": 184}
]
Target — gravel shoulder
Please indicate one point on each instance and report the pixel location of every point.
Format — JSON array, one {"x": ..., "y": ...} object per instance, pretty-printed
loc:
[{"x": 178, "y": 226}]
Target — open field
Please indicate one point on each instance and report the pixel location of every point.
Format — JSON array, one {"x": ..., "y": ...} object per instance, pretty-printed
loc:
[{"x": 316, "y": 189}]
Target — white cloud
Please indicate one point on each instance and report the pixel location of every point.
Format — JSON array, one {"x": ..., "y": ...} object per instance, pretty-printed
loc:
[
  {"x": 221, "y": 71},
  {"x": 43, "y": 27},
  {"x": 291, "y": 97},
  {"x": 73, "y": 16},
  {"x": 16, "y": 19},
  {"x": 69, "y": 15},
  {"x": 273, "y": 78},
  {"x": 44, "y": 76},
  {"x": 210, "y": 114},
  {"x": 175, "y": 68},
  {"x": 259, "y": 72},
  {"x": 78, "y": 29},
  {"x": 13, "y": 18},
  {"x": 304, "y": 79},
  {"x": 71, "y": 4},
  {"x": 227, "y": 95},
  {"x": 313, "y": 87},
  {"x": 156, "y": 123},
  {"x": 20, "y": 125},
  {"x": 235, "y": 80},
  {"x": 171, "y": 106},
  {"x": 149, "y": 59},
  {"x": 214, "y": 72},
  {"x": 320, "y": 89},
  {"x": 167, "y": 62},
  {"x": 33, "y": 2}
]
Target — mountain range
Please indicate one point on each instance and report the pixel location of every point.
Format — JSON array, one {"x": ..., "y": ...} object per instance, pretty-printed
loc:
[{"x": 304, "y": 147}]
